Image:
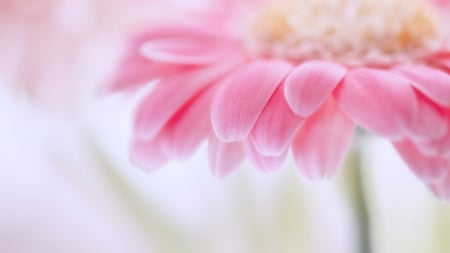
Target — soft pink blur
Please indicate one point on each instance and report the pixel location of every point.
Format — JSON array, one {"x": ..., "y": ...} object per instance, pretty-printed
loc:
[{"x": 49, "y": 46}]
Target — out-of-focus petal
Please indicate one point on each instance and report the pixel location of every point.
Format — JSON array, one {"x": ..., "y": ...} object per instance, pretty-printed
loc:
[
  {"x": 310, "y": 84},
  {"x": 428, "y": 168},
  {"x": 186, "y": 50},
  {"x": 276, "y": 126},
  {"x": 378, "y": 100},
  {"x": 262, "y": 162},
  {"x": 135, "y": 72},
  {"x": 444, "y": 62},
  {"x": 173, "y": 31},
  {"x": 169, "y": 96},
  {"x": 442, "y": 4},
  {"x": 148, "y": 154},
  {"x": 184, "y": 45},
  {"x": 431, "y": 121},
  {"x": 432, "y": 82},
  {"x": 192, "y": 118},
  {"x": 224, "y": 157},
  {"x": 439, "y": 146},
  {"x": 321, "y": 144},
  {"x": 441, "y": 189},
  {"x": 243, "y": 96}
]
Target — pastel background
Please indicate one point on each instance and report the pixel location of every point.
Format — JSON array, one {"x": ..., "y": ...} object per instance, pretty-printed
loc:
[{"x": 67, "y": 184}]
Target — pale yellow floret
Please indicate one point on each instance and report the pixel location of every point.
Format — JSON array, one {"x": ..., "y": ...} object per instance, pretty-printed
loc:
[{"x": 351, "y": 31}]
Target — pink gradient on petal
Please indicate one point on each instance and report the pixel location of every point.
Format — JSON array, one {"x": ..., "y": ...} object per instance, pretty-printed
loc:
[
  {"x": 136, "y": 72},
  {"x": 441, "y": 189},
  {"x": 194, "y": 118},
  {"x": 440, "y": 146},
  {"x": 321, "y": 144},
  {"x": 262, "y": 162},
  {"x": 186, "y": 50},
  {"x": 378, "y": 100},
  {"x": 155, "y": 54},
  {"x": 170, "y": 95},
  {"x": 224, "y": 157},
  {"x": 171, "y": 31},
  {"x": 310, "y": 84},
  {"x": 441, "y": 3},
  {"x": 430, "y": 81},
  {"x": 431, "y": 121},
  {"x": 243, "y": 96},
  {"x": 444, "y": 62},
  {"x": 276, "y": 126},
  {"x": 428, "y": 168},
  {"x": 148, "y": 154}
]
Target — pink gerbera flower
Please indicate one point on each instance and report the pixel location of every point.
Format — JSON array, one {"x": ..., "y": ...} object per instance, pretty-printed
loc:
[{"x": 263, "y": 78}]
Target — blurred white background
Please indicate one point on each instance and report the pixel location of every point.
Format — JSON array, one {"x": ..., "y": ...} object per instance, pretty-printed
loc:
[{"x": 67, "y": 185}]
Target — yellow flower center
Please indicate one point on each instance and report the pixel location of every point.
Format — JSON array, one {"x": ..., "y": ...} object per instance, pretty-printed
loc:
[{"x": 349, "y": 31}]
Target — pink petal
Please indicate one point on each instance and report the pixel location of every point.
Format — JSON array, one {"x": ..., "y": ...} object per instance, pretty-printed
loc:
[
  {"x": 439, "y": 146},
  {"x": 169, "y": 96},
  {"x": 432, "y": 82},
  {"x": 136, "y": 69},
  {"x": 243, "y": 97},
  {"x": 378, "y": 100},
  {"x": 441, "y": 189},
  {"x": 139, "y": 71},
  {"x": 431, "y": 121},
  {"x": 262, "y": 162},
  {"x": 148, "y": 154},
  {"x": 442, "y": 3},
  {"x": 224, "y": 157},
  {"x": 321, "y": 144},
  {"x": 130, "y": 73},
  {"x": 310, "y": 84},
  {"x": 444, "y": 62},
  {"x": 428, "y": 168},
  {"x": 275, "y": 127},
  {"x": 197, "y": 50},
  {"x": 168, "y": 31},
  {"x": 188, "y": 127}
]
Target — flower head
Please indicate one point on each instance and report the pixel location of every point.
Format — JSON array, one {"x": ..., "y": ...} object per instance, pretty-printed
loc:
[{"x": 268, "y": 77}]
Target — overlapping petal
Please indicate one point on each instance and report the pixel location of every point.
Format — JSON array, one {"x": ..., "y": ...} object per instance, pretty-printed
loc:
[
  {"x": 310, "y": 84},
  {"x": 159, "y": 105},
  {"x": 440, "y": 146},
  {"x": 262, "y": 162},
  {"x": 169, "y": 50},
  {"x": 224, "y": 157},
  {"x": 378, "y": 100},
  {"x": 430, "y": 81},
  {"x": 321, "y": 144},
  {"x": 243, "y": 97},
  {"x": 431, "y": 122},
  {"x": 428, "y": 168},
  {"x": 441, "y": 189},
  {"x": 192, "y": 118},
  {"x": 276, "y": 126},
  {"x": 148, "y": 154},
  {"x": 138, "y": 71}
]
